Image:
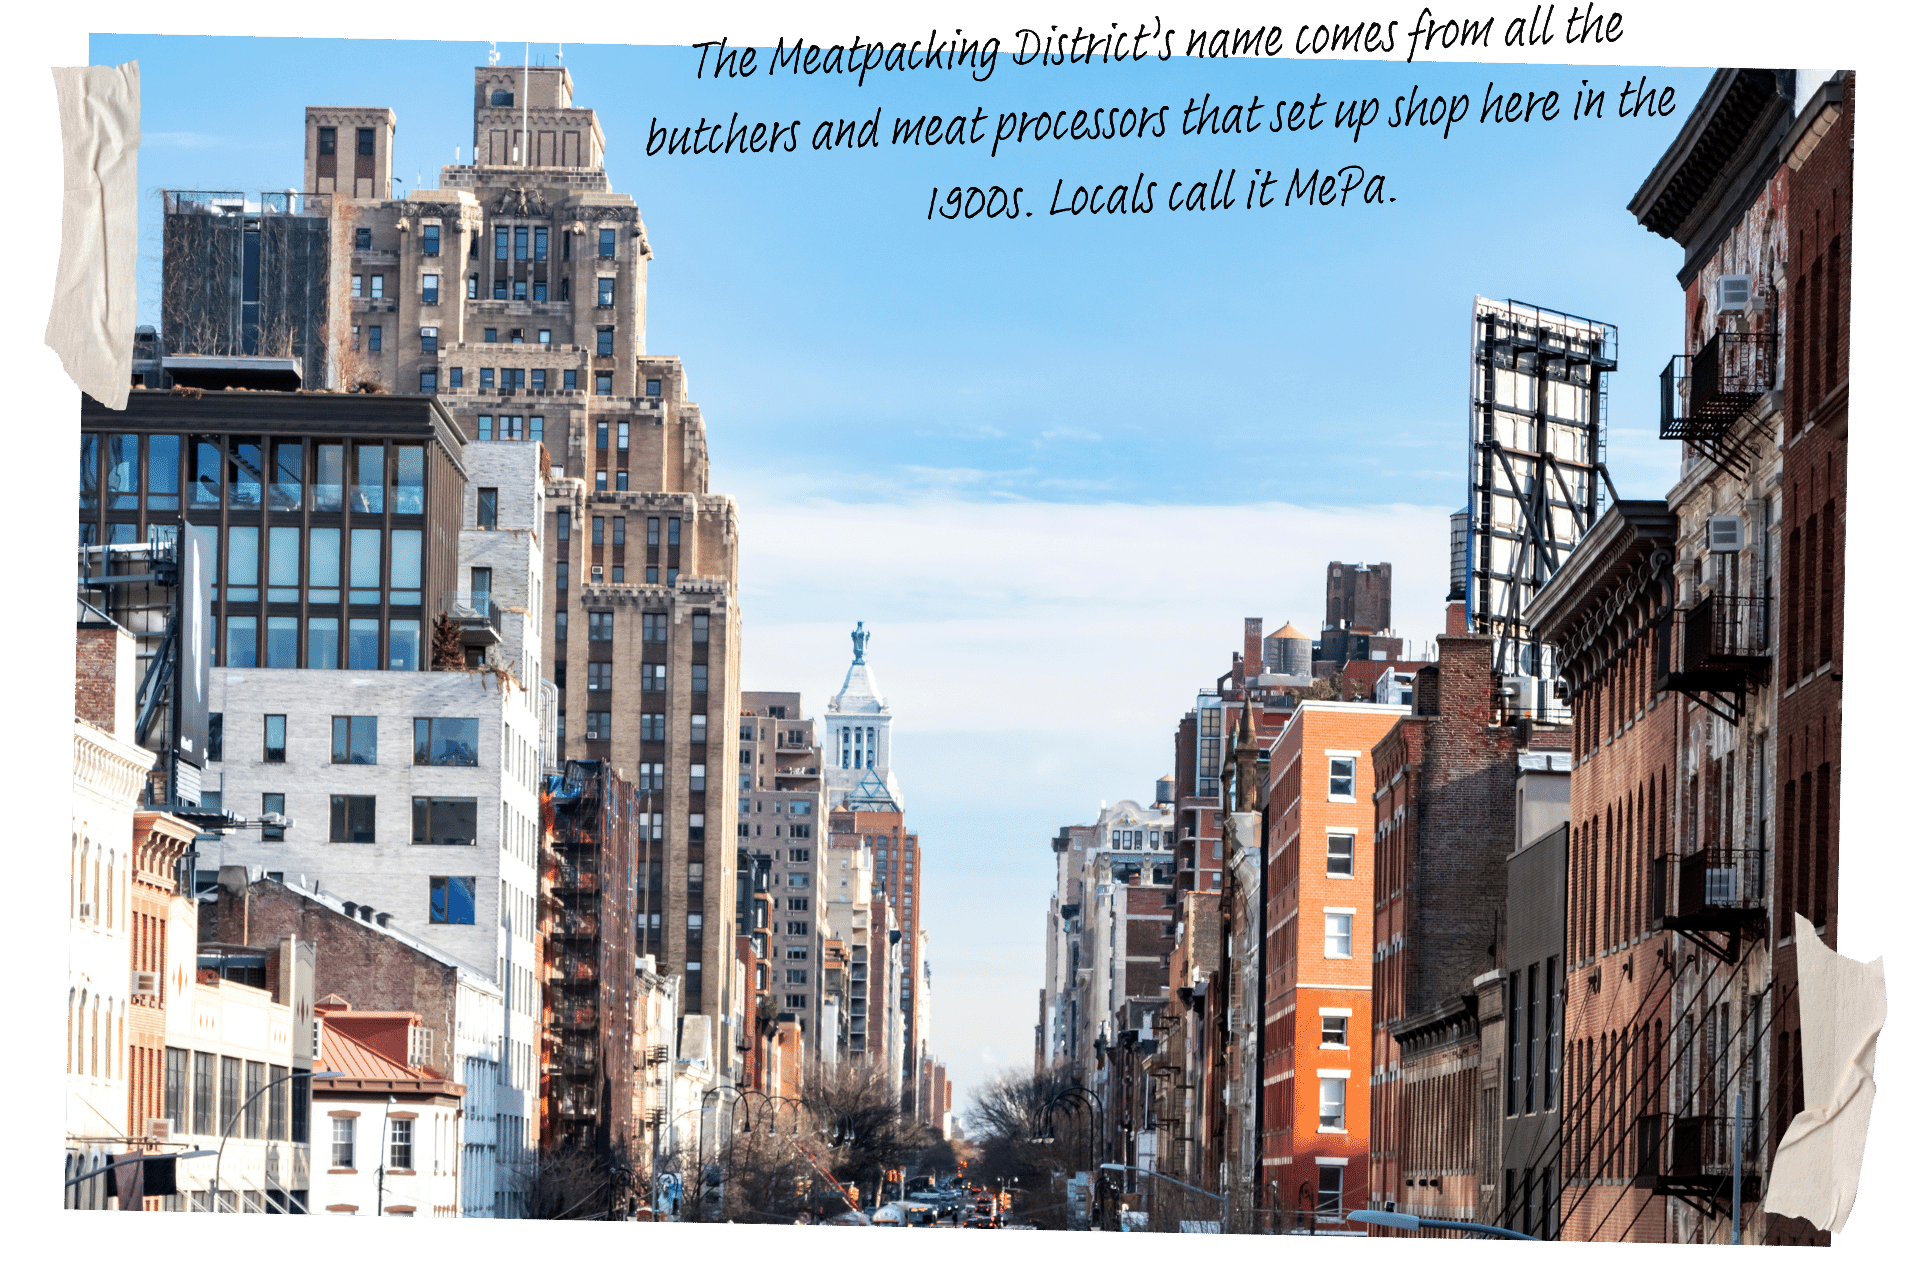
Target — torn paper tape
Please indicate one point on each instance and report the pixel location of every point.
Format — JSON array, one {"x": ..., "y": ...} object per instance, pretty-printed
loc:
[
  {"x": 1843, "y": 1005},
  {"x": 91, "y": 325}
]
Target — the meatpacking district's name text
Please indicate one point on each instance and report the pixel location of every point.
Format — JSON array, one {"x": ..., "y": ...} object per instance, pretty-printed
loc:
[
  {"x": 1202, "y": 117},
  {"x": 1225, "y": 189}
]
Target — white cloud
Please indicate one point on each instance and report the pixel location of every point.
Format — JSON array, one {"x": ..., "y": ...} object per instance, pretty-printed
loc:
[{"x": 1038, "y": 657}]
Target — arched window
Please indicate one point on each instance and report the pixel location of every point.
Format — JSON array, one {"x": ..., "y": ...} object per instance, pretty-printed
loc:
[
  {"x": 70, "y": 1031},
  {"x": 93, "y": 1038},
  {"x": 106, "y": 913}
]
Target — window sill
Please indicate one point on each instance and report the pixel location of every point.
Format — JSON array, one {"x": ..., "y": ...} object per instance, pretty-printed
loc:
[
  {"x": 1339, "y": 875},
  {"x": 1342, "y": 800},
  {"x": 1325, "y": 1129}
]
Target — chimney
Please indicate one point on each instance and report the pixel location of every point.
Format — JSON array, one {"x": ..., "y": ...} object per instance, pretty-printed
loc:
[
  {"x": 1457, "y": 618},
  {"x": 1252, "y": 654}
]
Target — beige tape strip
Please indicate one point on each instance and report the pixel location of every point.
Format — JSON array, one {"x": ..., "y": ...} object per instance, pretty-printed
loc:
[
  {"x": 1843, "y": 1005},
  {"x": 91, "y": 325}
]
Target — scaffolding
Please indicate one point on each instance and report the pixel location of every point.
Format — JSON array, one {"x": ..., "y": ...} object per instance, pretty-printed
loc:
[{"x": 1537, "y": 454}]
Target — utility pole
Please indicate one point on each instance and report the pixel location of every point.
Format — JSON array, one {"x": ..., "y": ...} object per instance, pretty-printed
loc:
[{"x": 380, "y": 1184}]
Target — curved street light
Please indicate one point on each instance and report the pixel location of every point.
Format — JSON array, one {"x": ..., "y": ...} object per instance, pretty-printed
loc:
[
  {"x": 213, "y": 1191},
  {"x": 1408, "y": 1222}
]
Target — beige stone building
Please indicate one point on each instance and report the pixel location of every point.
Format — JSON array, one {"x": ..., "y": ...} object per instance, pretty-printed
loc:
[{"x": 515, "y": 291}]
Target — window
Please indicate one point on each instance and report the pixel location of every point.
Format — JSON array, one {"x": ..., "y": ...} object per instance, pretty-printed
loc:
[
  {"x": 560, "y": 624},
  {"x": 273, "y": 802},
  {"x": 797, "y": 928},
  {"x": 653, "y": 387},
  {"x": 456, "y": 376},
  {"x": 653, "y": 727},
  {"x": 603, "y": 384},
  {"x": 1333, "y": 1030},
  {"x": 620, "y": 481},
  {"x": 355, "y": 289},
  {"x": 327, "y": 137},
  {"x": 363, "y": 237},
  {"x": 429, "y": 382},
  {"x": 520, "y": 244},
  {"x": 445, "y": 819},
  {"x": 599, "y": 486},
  {"x": 796, "y": 1002},
  {"x": 599, "y": 677},
  {"x": 473, "y": 286},
  {"x": 539, "y": 379},
  {"x": 1339, "y": 935},
  {"x": 696, "y": 828},
  {"x": 653, "y": 677},
  {"x": 1328, "y": 1203},
  {"x": 1340, "y": 777},
  {"x": 606, "y": 291},
  {"x": 446, "y": 740},
  {"x": 430, "y": 290},
  {"x": 653, "y": 626},
  {"x": 351, "y": 819},
  {"x": 354, "y": 740},
  {"x": 673, "y": 531},
  {"x": 699, "y": 682},
  {"x": 600, "y": 626},
  {"x": 487, "y": 508},
  {"x": 546, "y": 335},
  {"x": 373, "y": 331},
  {"x": 563, "y": 526},
  {"x": 343, "y": 1142},
  {"x": 620, "y": 522},
  {"x": 697, "y": 729},
  {"x": 796, "y": 904},
  {"x": 365, "y": 141},
  {"x": 400, "y": 1145},
  {"x": 606, "y": 242},
  {"x": 377, "y": 285},
  {"x": 567, "y": 377},
  {"x": 205, "y": 1121},
  {"x": 215, "y": 736},
  {"x": 176, "y": 1090},
  {"x": 450, "y": 899},
  {"x": 429, "y": 338},
  {"x": 1340, "y": 854},
  {"x": 519, "y": 290},
  {"x": 540, "y": 247},
  {"x": 256, "y": 1104},
  {"x": 486, "y": 383},
  {"x": 697, "y": 777},
  {"x": 700, "y": 621},
  {"x": 274, "y": 740},
  {"x": 600, "y": 726},
  {"x": 1333, "y": 1103},
  {"x": 603, "y": 340},
  {"x": 229, "y": 1093}
]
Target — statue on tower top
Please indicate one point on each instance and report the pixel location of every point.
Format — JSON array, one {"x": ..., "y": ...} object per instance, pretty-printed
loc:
[{"x": 860, "y": 637}]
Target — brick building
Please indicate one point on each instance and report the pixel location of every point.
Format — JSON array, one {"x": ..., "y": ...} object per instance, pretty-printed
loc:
[
  {"x": 1359, "y": 617},
  {"x": 1818, "y": 153},
  {"x": 1317, "y": 990},
  {"x": 1607, "y": 610},
  {"x": 1444, "y": 826},
  {"x": 363, "y": 957},
  {"x": 781, "y": 820}
]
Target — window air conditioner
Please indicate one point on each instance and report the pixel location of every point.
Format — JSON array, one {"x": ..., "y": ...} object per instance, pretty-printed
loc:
[
  {"x": 1726, "y": 533},
  {"x": 592, "y": 735},
  {"x": 86, "y": 911},
  {"x": 1733, "y": 293},
  {"x": 146, "y": 982},
  {"x": 1513, "y": 687},
  {"x": 159, "y": 1129}
]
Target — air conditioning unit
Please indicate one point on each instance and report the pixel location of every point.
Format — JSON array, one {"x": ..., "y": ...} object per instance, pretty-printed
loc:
[
  {"x": 159, "y": 1129},
  {"x": 1733, "y": 293},
  {"x": 146, "y": 982},
  {"x": 592, "y": 735},
  {"x": 1514, "y": 687},
  {"x": 1726, "y": 533},
  {"x": 86, "y": 911}
]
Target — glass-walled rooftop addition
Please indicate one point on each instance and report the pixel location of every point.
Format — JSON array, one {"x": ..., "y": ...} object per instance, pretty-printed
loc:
[{"x": 317, "y": 545}]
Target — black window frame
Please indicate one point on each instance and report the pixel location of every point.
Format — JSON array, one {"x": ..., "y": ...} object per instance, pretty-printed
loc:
[
  {"x": 273, "y": 724},
  {"x": 341, "y": 820}
]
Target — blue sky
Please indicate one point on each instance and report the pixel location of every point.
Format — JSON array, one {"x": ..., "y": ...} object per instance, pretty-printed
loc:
[{"x": 1050, "y": 461}]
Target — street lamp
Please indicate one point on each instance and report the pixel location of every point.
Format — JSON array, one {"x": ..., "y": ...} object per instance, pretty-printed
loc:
[
  {"x": 1134, "y": 1168},
  {"x": 1408, "y": 1222},
  {"x": 213, "y": 1193}
]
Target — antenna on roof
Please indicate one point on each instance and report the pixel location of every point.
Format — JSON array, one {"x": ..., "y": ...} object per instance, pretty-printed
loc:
[
  {"x": 493, "y": 52},
  {"x": 559, "y": 53}
]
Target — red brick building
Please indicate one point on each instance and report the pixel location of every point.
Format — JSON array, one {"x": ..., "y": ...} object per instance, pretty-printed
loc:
[
  {"x": 1444, "y": 816},
  {"x": 1819, "y": 157},
  {"x": 1318, "y": 921},
  {"x": 1608, "y": 612}
]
